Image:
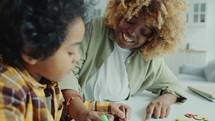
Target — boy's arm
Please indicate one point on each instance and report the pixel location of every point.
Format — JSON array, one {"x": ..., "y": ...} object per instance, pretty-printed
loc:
[
  {"x": 120, "y": 110},
  {"x": 76, "y": 107},
  {"x": 83, "y": 111}
]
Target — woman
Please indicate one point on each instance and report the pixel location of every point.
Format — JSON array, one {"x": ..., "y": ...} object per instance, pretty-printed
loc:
[{"x": 121, "y": 55}]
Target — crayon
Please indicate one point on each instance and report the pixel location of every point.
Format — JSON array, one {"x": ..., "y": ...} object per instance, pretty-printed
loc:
[{"x": 104, "y": 117}]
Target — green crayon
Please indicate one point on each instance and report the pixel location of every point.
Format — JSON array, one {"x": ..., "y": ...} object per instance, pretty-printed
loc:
[{"x": 104, "y": 117}]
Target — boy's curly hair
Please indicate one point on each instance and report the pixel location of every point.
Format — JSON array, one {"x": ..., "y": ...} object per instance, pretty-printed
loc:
[
  {"x": 167, "y": 17},
  {"x": 35, "y": 27}
]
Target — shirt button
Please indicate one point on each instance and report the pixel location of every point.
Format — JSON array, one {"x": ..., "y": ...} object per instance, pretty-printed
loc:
[
  {"x": 60, "y": 107},
  {"x": 77, "y": 75},
  {"x": 128, "y": 61}
]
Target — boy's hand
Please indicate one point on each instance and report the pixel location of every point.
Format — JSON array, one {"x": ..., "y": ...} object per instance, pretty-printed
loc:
[
  {"x": 160, "y": 107},
  {"x": 88, "y": 116},
  {"x": 121, "y": 110},
  {"x": 92, "y": 116},
  {"x": 109, "y": 117}
]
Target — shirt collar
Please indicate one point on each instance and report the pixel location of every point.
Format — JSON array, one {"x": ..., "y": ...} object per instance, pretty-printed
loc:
[
  {"x": 30, "y": 80},
  {"x": 111, "y": 34}
]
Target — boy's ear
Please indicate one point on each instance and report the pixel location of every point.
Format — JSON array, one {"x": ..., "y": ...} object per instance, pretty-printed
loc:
[{"x": 28, "y": 59}]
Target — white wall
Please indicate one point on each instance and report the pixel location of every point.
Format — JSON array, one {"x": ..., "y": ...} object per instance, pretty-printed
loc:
[
  {"x": 203, "y": 37},
  {"x": 210, "y": 30},
  {"x": 102, "y": 5}
]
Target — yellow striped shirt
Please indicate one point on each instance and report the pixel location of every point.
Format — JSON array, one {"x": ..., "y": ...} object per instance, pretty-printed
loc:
[{"x": 22, "y": 98}]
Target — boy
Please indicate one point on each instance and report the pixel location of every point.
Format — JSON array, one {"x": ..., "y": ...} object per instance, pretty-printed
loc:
[{"x": 38, "y": 47}]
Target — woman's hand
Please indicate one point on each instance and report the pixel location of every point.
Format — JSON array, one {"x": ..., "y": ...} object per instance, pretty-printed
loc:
[
  {"x": 160, "y": 107},
  {"x": 120, "y": 110}
]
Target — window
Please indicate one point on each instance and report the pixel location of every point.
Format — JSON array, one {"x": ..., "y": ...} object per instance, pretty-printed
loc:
[{"x": 197, "y": 13}]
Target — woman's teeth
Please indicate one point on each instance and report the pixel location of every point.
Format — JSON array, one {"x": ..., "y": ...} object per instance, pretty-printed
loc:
[{"x": 126, "y": 38}]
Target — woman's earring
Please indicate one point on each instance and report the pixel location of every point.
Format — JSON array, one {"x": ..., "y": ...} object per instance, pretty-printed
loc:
[{"x": 1, "y": 62}]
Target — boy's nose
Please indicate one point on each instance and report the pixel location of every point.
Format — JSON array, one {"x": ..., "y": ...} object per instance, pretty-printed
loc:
[{"x": 77, "y": 57}]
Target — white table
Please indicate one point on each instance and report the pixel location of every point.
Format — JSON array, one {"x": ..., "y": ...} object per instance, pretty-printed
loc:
[{"x": 195, "y": 105}]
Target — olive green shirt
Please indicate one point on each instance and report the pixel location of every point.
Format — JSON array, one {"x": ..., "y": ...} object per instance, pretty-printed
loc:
[{"x": 98, "y": 44}]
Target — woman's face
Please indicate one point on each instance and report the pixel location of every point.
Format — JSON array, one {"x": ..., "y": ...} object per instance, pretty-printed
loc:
[{"x": 134, "y": 33}]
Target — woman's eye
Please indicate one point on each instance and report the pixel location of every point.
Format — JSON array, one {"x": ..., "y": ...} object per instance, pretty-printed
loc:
[
  {"x": 146, "y": 33},
  {"x": 131, "y": 21},
  {"x": 70, "y": 53}
]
